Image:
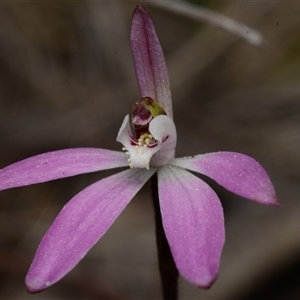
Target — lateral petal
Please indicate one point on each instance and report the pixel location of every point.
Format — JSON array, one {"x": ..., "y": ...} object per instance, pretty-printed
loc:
[
  {"x": 149, "y": 62},
  {"x": 193, "y": 222},
  {"x": 80, "y": 224},
  {"x": 59, "y": 164},
  {"x": 236, "y": 172}
]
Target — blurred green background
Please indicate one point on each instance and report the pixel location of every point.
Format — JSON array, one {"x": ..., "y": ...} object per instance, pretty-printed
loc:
[{"x": 67, "y": 80}]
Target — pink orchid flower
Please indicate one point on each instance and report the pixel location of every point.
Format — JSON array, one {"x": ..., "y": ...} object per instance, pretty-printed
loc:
[{"x": 191, "y": 212}]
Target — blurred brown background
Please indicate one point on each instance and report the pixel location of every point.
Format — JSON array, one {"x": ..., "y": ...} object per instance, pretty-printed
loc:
[{"x": 67, "y": 80}]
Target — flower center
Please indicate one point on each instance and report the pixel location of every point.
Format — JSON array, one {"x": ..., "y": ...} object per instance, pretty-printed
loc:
[
  {"x": 147, "y": 134},
  {"x": 142, "y": 113}
]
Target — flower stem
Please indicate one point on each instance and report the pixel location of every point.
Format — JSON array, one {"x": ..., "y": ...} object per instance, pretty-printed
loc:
[{"x": 167, "y": 267}]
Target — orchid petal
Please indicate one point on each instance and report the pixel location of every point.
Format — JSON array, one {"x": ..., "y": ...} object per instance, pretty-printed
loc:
[
  {"x": 149, "y": 62},
  {"x": 59, "y": 164},
  {"x": 236, "y": 172},
  {"x": 164, "y": 131},
  {"x": 80, "y": 224},
  {"x": 193, "y": 222}
]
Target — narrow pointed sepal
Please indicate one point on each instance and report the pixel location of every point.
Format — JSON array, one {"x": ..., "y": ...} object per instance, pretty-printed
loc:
[
  {"x": 236, "y": 172},
  {"x": 194, "y": 224},
  {"x": 149, "y": 62},
  {"x": 80, "y": 224},
  {"x": 59, "y": 164}
]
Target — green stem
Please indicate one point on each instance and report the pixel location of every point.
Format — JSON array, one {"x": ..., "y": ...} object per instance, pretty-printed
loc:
[{"x": 167, "y": 267}]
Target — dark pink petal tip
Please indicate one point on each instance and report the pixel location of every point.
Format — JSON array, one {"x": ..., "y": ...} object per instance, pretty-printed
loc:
[
  {"x": 275, "y": 202},
  {"x": 208, "y": 285},
  {"x": 149, "y": 62},
  {"x": 34, "y": 288}
]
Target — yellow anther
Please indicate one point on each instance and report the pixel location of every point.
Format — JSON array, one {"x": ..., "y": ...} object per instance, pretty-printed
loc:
[{"x": 144, "y": 140}]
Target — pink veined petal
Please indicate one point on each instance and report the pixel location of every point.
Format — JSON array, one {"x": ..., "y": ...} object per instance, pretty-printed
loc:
[
  {"x": 236, "y": 172},
  {"x": 80, "y": 224},
  {"x": 59, "y": 164},
  {"x": 193, "y": 222},
  {"x": 149, "y": 62}
]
